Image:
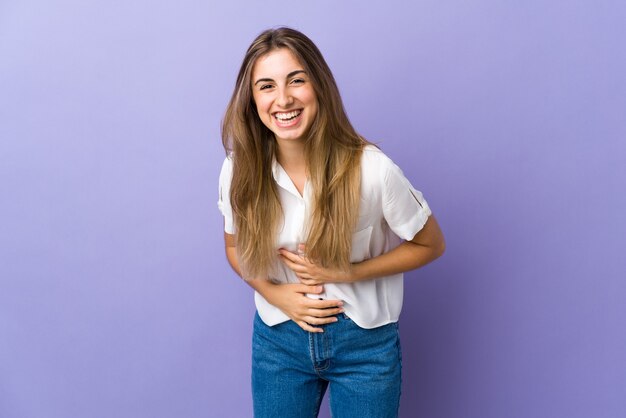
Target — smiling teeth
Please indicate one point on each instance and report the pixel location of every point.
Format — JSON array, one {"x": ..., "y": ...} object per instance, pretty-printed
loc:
[{"x": 287, "y": 116}]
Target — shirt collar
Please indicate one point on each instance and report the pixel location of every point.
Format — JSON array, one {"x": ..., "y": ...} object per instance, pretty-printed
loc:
[{"x": 282, "y": 178}]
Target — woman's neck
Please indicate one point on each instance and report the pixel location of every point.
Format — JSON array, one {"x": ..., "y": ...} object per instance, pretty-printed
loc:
[{"x": 290, "y": 154}]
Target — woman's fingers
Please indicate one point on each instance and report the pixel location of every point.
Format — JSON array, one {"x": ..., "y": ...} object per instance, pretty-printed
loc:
[
  {"x": 308, "y": 312},
  {"x": 303, "y": 288},
  {"x": 291, "y": 258},
  {"x": 308, "y": 281},
  {"x": 323, "y": 313},
  {"x": 298, "y": 269},
  {"x": 309, "y": 323},
  {"x": 308, "y": 327},
  {"x": 316, "y": 320},
  {"x": 295, "y": 262},
  {"x": 307, "y": 271},
  {"x": 326, "y": 304},
  {"x": 322, "y": 307}
]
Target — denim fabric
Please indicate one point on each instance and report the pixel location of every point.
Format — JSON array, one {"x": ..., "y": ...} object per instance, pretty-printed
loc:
[{"x": 292, "y": 368}]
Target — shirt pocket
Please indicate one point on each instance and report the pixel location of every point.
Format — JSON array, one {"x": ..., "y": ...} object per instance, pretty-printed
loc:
[{"x": 361, "y": 245}]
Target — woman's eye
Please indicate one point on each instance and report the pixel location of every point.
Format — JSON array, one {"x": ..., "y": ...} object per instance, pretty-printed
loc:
[
  {"x": 265, "y": 86},
  {"x": 297, "y": 81}
]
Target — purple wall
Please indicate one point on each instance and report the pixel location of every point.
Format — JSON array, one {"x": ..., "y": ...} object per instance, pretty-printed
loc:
[{"x": 116, "y": 299}]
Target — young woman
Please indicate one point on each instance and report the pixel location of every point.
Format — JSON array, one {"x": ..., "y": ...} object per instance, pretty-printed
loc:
[{"x": 321, "y": 224}]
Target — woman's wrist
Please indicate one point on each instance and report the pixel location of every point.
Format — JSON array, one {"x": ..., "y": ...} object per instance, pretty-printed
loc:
[{"x": 356, "y": 273}]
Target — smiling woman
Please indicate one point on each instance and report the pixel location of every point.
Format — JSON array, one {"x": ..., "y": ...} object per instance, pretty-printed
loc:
[
  {"x": 322, "y": 225},
  {"x": 284, "y": 96}
]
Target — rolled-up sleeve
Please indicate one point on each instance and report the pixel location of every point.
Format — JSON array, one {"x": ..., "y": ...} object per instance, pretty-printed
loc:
[
  {"x": 223, "y": 202},
  {"x": 404, "y": 208}
]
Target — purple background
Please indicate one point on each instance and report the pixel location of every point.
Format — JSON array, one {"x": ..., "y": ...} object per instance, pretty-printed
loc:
[{"x": 115, "y": 296}]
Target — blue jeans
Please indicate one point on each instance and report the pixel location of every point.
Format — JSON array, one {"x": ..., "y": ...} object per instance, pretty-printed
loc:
[{"x": 291, "y": 369}]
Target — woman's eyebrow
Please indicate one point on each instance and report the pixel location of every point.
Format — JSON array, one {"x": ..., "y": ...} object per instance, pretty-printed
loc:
[
  {"x": 262, "y": 80},
  {"x": 291, "y": 74}
]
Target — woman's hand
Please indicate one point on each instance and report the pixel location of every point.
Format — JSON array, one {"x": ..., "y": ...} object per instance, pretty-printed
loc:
[
  {"x": 290, "y": 297},
  {"x": 306, "y": 312},
  {"x": 426, "y": 245},
  {"x": 310, "y": 273}
]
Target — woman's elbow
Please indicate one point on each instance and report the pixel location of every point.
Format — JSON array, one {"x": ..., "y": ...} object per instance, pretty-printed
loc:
[
  {"x": 440, "y": 248},
  {"x": 437, "y": 247},
  {"x": 438, "y": 242}
]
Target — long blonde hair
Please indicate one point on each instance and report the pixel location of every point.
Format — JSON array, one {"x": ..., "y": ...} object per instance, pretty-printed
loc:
[{"x": 332, "y": 151}]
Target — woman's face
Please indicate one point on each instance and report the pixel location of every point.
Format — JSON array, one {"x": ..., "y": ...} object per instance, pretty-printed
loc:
[{"x": 284, "y": 96}]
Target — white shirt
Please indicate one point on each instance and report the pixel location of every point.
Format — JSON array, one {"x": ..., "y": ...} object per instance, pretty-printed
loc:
[{"x": 391, "y": 211}]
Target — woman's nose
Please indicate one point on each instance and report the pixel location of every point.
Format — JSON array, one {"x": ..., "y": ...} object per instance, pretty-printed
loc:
[{"x": 284, "y": 99}]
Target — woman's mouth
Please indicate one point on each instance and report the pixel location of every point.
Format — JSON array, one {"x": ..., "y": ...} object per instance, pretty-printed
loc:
[{"x": 287, "y": 118}]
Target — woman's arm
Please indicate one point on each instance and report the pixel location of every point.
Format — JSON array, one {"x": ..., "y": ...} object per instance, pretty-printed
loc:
[
  {"x": 427, "y": 245},
  {"x": 290, "y": 297}
]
